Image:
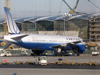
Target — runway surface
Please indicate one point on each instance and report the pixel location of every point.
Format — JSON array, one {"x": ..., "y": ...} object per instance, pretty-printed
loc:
[
  {"x": 51, "y": 66},
  {"x": 34, "y": 70},
  {"x": 29, "y": 71},
  {"x": 54, "y": 59}
]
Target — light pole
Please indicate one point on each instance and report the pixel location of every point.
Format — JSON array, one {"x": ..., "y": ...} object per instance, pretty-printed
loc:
[{"x": 64, "y": 24}]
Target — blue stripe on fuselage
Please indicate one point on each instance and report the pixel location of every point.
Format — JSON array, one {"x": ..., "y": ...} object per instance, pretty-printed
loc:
[
  {"x": 46, "y": 46},
  {"x": 36, "y": 45}
]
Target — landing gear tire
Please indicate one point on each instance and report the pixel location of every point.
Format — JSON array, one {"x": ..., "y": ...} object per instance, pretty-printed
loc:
[
  {"x": 36, "y": 52},
  {"x": 32, "y": 54},
  {"x": 78, "y": 54},
  {"x": 58, "y": 52},
  {"x": 75, "y": 51}
]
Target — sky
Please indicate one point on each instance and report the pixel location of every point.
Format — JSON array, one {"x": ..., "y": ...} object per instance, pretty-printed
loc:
[{"x": 28, "y": 8}]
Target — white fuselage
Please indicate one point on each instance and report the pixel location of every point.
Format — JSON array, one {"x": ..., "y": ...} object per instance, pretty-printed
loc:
[
  {"x": 43, "y": 38},
  {"x": 36, "y": 41}
]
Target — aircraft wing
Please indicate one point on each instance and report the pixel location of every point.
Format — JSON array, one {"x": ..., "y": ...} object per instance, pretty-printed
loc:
[
  {"x": 1, "y": 37},
  {"x": 4, "y": 47},
  {"x": 65, "y": 44},
  {"x": 1, "y": 40}
]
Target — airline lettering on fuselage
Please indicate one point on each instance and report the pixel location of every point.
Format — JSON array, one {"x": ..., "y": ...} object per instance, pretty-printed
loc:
[{"x": 73, "y": 39}]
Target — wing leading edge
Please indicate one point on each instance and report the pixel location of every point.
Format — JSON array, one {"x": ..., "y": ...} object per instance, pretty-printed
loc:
[{"x": 66, "y": 44}]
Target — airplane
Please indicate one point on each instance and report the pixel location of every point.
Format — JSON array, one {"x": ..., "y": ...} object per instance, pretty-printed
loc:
[{"x": 39, "y": 43}]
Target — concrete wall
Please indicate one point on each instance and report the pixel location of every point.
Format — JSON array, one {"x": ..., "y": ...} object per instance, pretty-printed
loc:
[{"x": 67, "y": 33}]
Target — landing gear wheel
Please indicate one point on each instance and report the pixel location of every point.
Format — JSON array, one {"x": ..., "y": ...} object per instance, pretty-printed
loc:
[
  {"x": 37, "y": 52},
  {"x": 75, "y": 51},
  {"x": 78, "y": 54}
]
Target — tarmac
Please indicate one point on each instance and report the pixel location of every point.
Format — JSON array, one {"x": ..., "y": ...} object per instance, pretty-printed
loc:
[
  {"x": 53, "y": 59},
  {"x": 30, "y": 71},
  {"x": 50, "y": 69},
  {"x": 51, "y": 66}
]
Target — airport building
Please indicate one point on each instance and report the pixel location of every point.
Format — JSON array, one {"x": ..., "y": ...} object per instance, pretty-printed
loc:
[
  {"x": 94, "y": 28},
  {"x": 58, "y": 25},
  {"x": 84, "y": 26}
]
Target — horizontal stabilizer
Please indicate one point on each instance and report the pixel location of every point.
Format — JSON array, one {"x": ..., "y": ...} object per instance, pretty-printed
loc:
[{"x": 19, "y": 37}]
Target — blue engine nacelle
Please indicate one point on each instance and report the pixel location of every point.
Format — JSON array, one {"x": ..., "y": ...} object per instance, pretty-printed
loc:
[{"x": 81, "y": 49}]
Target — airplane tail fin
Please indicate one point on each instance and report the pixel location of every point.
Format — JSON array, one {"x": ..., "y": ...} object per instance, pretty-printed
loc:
[{"x": 12, "y": 27}]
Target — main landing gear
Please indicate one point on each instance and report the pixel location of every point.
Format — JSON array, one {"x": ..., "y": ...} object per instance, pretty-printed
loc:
[
  {"x": 76, "y": 52},
  {"x": 36, "y": 52}
]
